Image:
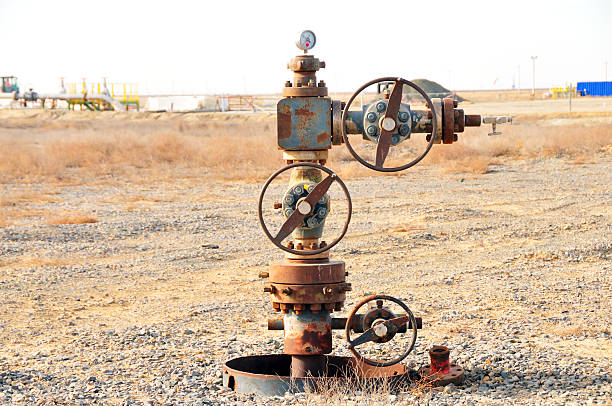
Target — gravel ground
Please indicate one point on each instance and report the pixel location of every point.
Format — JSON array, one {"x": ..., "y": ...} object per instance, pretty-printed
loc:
[{"x": 510, "y": 269}]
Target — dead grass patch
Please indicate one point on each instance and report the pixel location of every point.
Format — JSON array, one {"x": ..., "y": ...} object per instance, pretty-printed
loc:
[
  {"x": 226, "y": 148},
  {"x": 366, "y": 390},
  {"x": 32, "y": 262},
  {"x": 72, "y": 219},
  {"x": 407, "y": 228},
  {"x": 12, "y": 199}
]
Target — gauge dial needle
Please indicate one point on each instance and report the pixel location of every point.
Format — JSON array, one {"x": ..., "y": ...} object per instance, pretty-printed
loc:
[
  {"x": 389, "y": 123},
  {"x": 309, "y": 202}
]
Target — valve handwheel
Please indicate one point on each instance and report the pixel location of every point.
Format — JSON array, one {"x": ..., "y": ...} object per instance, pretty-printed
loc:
[
  {"x": 381, "y": 331},
  {"x": 389, "y": 124},
  {"x": 304, "y": 208}
]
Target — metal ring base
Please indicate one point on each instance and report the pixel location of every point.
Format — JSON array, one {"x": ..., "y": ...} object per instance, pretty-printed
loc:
[{"x": 268, "y": 375}]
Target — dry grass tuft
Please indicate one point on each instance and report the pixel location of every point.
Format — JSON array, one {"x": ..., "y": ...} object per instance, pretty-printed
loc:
[
  {"x": 72, "y": 219},
  {"x": 475, "y": 153},
  {"x": 230, "y": 152},
  {"x": 232, "y": 147},
  {"x": 366, "y": 391},
  {"x": 12, "y": 199}
]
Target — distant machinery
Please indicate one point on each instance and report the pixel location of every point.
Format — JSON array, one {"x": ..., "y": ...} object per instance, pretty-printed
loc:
[
  {"x": 94, "y": 97},
  {"x": 9, "y": 86},
  {"x": 98, "y": 97}
]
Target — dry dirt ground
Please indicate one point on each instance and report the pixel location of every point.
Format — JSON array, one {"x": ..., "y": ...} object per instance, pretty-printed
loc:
[{"x": 126, "y": 291}]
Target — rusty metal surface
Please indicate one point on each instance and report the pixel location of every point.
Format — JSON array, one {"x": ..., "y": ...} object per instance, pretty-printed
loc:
[
  {"x": 336, "y": 122},
  {"x": 339, "y": 323},
  {"x": 473, "y": 120},
  {"x": 441, "y": 371},
  {"x": 439, "y": 357},
  {"x": 448, "y": 120},
  {"x": 309, "y": 294},
  {"x": 304, "y": 91},
  {"x": 307, "y": 333},
  {"x": 270, "y": 374},
  {"x": 459, "y": 120},
  {"x": 304, "y": 123},
  {"x": 436, "y": 126},
  {"x": 307, "y": 366},
  {"x": 320, "y": 249},
  {"x": 307, "y": 272},
  {"x": 455, "y": 375}
]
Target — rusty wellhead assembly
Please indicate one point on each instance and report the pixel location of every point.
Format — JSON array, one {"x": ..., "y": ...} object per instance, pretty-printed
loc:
[{"x": 307, "y": 286}]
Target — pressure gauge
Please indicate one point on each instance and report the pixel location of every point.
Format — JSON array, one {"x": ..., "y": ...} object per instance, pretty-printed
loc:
[{"x": 307, "y": 40}]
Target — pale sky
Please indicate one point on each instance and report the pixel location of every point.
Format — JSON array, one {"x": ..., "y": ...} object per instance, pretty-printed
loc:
[{"x": 227, "y": 46}]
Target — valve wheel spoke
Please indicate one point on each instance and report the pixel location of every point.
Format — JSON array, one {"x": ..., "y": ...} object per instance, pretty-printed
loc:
[
  {"x": 296, "y": 218},
  {"x": 384, "y": 141},
  {"x": 399, "y": 321},
  {"x": 367, "y": 336}
]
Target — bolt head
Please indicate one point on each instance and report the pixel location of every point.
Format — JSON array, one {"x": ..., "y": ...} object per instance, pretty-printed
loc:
[
  {"x": 371, "y": 130},
  {"x": 380, "y": 330},
  {"x": 381, "y": 106},
  {"x": 371, "y": 117},
  {"x": 388, "y": 124},
  {"x": 304, "y": 207},
  {"x": 404, "y": 129},
  {"x": 403, "y": 116}
]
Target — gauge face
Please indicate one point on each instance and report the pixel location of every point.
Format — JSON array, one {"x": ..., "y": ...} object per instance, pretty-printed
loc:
[{"x": 307, "y": 40}]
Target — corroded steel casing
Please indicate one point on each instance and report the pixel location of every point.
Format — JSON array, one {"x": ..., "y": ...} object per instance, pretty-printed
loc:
[
  {"x": 315, "y": 285},
  {"x": 304, "y": 123},
  {"x": 308, "y": 333}
]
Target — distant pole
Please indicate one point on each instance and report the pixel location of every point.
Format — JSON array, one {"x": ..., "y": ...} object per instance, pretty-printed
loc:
[
  {"x": 570, "y": 96},
  {"x": 533, "y": 59},
  {"x": 519, "y": 77}
]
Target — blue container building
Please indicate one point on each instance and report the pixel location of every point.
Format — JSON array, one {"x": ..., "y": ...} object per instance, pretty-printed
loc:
[{"x": 594, "y": 88}]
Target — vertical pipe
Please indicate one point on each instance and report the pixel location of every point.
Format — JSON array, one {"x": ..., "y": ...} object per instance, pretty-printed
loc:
[
  {"x": 533, "y": 59},
  {"x": 305, "y": 366}
]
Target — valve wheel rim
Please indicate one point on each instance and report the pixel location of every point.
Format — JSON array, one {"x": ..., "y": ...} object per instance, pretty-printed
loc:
[
  {"x": 304, "y": 252},
  {"x": 349, "y": 323},
  {"x": 410, "y": 164}
]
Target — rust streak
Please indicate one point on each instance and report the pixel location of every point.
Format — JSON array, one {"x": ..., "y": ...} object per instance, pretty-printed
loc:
[
  {"x": 323, "y": 137},
  {"x": 304, "y": 111},
  {"x": 283, "y": 118}
]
